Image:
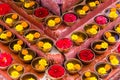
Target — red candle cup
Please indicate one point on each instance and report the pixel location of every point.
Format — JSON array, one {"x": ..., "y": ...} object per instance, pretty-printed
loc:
[
  {"x": 86, "y": 56},
  {"x": 69, "y": 18},
  {"x": 4, "y": 9},
  {"x": 118, "y": 48},
  {"x": 56, "y": 72},
  {"x": 5, "y": 60},
  {"x": 101, "y": 20},
  {"x": 41, "y": 13},
  {"x": 64, "y": 44}
]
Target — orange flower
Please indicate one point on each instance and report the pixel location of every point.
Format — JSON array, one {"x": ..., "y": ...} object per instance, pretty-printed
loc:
[
  {"x": 1, "y": 30},
  {"x": 107, "y": 34},
  {"x": 97, "y": 2},
  {"x": 85, "y": 8},
  {"x": 20, "y": 42},
  {"x": 40, "y": 44},
  {"x": 113, "y": 9},
  {"x": 95, "y": 26},
  {"x": 9, "y": 34},
  {"x": 24, "y": 24},
  {"x": 98, "y": 47},
  {"x": 19, "y": 68},
  {"x": 24, "y": 52},
  {"x": 37, "y": 35},
  {"x": 32, "y": 3},
  {"x": 57, "y": 20},
  {"x": 14, "y": 16},
  {"x": 117, "y": 5}
]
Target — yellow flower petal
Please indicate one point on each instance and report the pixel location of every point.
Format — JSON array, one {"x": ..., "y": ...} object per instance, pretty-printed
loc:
[
  {"x": 51, "y": 23},
  {"x": 87, "y": 74},
  {"x": 30, "y": 37},
  {"x": 74, "y": 37},
  {"x": 27, "y": 57},
  {"x": 15, "y": 74},
  {"x": 19, "y": 28},
  {"x": 47, "y": 45},
  {"x": 9, "y": 21},
  {"x": 17, "y": 47},
  {"x": 92, "y": 4},
  {"x": 3, "y": 36},
  {"x": 104, "y": 45},
  {"x": 70, "y": 66},
  {"x": 102, "y": 71},
  {"x": 111, "y": 39}
]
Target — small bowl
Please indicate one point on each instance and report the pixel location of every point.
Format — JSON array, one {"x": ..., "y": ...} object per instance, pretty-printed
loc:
[
  {"x": 27, "y": 76},
  {"x": 69, "y": 18},
  {"x": 45, "y": 44},
  {"x": 92, "y": 29},
  {"x": 17, "y": 69},
  {"x": 22, "y": 55},
  {"x": 2, "y": 28},
  {"x": 36, "y": 66},
  {"x": 114, "y": 57},
  {"x": 54, "y": 20},
  {"x": 109, "y": 35},
  {"x": 99, "y": 43},
  {"x": 79, "y": 35},
  {"x": 72, "y": 62},
  {"x": 101, "y": 20},
  {"x": 56, "y": 72},
  {"x": 12, "y": 17},
  {"x": 88, "y": 55},
  {"x": 18, "y": 2},
  {"x": 93, "y": 3},
  {"x": 78, "y": 9},
  {"x": 31, "y": 9},
  {"x": 117, "y": 28},
  {"x": 23, "y": 45},
  {"x": 25, "y": 26},
  {"x": 64, "y": 45},
  {"x": 89, "y": 74},
  {"x": 8, "y": 38},
  {"x": 102, "y": 65},
  {"x": 31, "y": 34},
  {"x": 114, "y": 15},
  {"x": 117, "y": 6}
]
